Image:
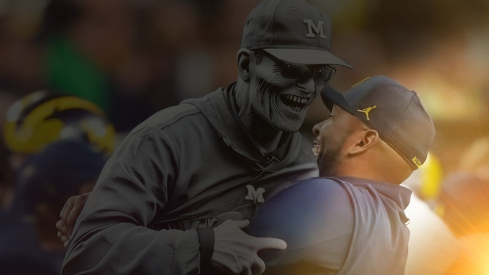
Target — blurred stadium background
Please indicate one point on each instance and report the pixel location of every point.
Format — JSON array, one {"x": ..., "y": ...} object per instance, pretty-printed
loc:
[{"x": 135, "y": 57}]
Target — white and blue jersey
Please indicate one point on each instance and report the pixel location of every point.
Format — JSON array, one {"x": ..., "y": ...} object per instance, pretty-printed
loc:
[{"x": 339, "y": 225}]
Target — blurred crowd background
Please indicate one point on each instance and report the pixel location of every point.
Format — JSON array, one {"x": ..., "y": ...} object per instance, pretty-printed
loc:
[{"x": 132, "y": 58}]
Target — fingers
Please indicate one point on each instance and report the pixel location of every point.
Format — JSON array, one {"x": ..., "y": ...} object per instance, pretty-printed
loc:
[
  {"x": 260, "y": 243},
  {"x": 255, "y": 267},
  {"x": 61, "y": 226},
  {"x": 63, "y": 232},
  {"x": 71, "y": 210},
  {"x": 67, "y": 208},
  {"x": 271, "y": 243},
  {"x": 65, "y": 240},
  {"x": 259, "y": 267},
  {"x": 68, "y": 216},
  {"x": 240, "y": 224},
  {"x": 73, "y": 215}
]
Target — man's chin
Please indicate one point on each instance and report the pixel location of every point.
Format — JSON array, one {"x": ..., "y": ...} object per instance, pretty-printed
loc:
[{"x": 287, "y": 127}]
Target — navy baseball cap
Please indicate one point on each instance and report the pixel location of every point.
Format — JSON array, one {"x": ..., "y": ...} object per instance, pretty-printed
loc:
[
  {"x": 291, "y": 30},
  {"x": 394, "y": 111}
]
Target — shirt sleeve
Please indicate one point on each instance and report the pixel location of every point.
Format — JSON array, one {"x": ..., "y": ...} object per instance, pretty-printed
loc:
[
  {"x": 316, "y": 220},
  {"x": 111, "y": 235}
]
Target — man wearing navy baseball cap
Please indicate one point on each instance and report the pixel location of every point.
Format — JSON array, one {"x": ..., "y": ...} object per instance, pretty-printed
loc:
[{"x": 351, "y": 219}]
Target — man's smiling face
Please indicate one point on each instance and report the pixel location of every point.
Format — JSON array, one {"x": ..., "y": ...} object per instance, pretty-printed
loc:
[{"x": 281, "y": 92}]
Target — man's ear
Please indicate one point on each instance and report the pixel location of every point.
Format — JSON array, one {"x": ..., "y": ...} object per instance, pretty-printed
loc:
[
  {"x": 364, "y": 140},
  {"x": 244, "y": 60}
]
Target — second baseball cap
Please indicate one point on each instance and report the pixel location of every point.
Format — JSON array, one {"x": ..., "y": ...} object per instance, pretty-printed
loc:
[
  {"x": 291, "y": 30},
  {"x": 393, "y": 110}
]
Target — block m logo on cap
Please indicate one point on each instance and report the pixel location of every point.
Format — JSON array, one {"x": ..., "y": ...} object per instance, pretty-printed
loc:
[{"x": 314, "y": 30}]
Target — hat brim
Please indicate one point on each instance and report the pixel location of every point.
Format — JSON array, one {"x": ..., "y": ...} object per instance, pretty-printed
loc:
[
  {"x": 330, "y": 97},
  {"x": 307, "y": 56}
]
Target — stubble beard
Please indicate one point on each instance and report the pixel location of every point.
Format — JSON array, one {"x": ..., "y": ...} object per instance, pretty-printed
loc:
[{"x": 328, "y": 160}]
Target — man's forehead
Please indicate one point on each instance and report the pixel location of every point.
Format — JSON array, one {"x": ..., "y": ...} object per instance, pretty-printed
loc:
[{"x": 337, "y": 109}]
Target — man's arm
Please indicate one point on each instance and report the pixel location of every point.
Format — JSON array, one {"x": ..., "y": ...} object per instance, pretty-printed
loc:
[
  {"x": 111, "y": 233},
  {"x": 316, "y": 219}
]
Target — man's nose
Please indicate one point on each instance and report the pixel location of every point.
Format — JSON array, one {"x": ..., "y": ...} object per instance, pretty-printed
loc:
[
  {"x": 316, "y": 129},
  {"x": 306, "y": 83}
]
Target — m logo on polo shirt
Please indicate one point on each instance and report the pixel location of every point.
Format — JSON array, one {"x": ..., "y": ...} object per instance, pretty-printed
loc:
[
  {"x": 255, "y": 195},
  {"x": 314, "y": 30}
]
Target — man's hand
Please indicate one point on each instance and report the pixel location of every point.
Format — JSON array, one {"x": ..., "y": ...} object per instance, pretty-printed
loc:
[
  {"x": 236, "y": 252},
  {"x": 70, "y": 212}
]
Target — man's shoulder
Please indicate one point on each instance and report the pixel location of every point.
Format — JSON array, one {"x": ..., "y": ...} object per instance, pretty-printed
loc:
[
  {"x": 318, "y": 188},
  {"x": 313, "y": 193},
  {"x": 318, "y": 207},
  {"x": 169, "y": 116},
  {"x": 309, "y": 196},
  {"x": 171, "y": 123}
]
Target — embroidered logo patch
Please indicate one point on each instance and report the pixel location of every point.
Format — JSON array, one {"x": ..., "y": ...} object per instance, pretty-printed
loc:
[
  {"x": 367, "y": 111},
  {"x": 255, "y": 195},
  {"x": 417, "y": 162},
  {"x": 314, "y": 30}
]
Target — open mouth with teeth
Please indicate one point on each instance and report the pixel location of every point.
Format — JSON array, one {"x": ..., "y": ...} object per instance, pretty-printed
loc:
[
  {"x": 296, "y": 103},
  {"x": 316, "y": 147}
]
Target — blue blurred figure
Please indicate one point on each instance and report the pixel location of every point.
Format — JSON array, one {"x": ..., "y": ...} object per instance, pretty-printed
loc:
[{"x": 28, "y": 236}]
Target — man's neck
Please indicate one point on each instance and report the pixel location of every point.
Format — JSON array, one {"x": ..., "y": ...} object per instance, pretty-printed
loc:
[{"x": 366, "y": 169}]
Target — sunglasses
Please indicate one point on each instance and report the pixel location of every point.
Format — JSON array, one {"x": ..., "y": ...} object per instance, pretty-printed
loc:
[{"x": 322, "y": 74}]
